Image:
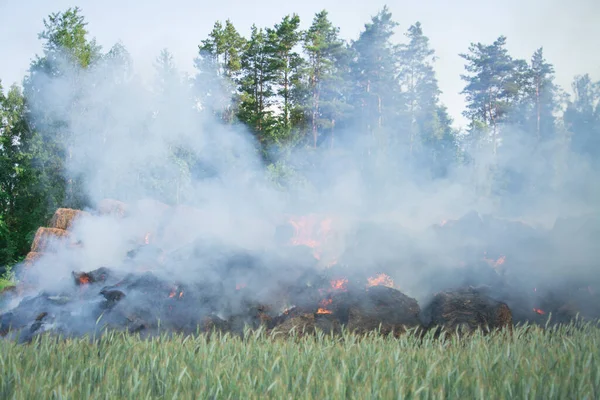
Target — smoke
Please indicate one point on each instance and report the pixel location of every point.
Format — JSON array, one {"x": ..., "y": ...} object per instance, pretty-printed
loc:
[{"x": 146, "y": 148}]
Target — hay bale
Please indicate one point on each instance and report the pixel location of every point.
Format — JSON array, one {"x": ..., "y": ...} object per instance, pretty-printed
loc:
[
  {"x": 379, "y": 307},
  {"x": 467, "y": 310},
  {"x": 65, "y": 217},
  {"x": 46, "y": 239},
  {"x": 307, "y": 324},
  {"x": 112, "y": 207},
  {"x": 213, "y": 323},
  {"x": 31, "y": 258}
]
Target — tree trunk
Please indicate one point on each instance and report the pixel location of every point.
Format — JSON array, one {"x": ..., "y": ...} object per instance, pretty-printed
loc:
[
  {"x": 332, "y": 133},
  {"x": 538, "y": 106}
]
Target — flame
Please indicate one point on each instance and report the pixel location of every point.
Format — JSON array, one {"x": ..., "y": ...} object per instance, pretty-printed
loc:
[
  {"x": 339, "y": 284},
  {"x": 380, "y": 280},
  {"x": 494, "y": 263},
  {"x": 539, "y": 311},
  {"x": 172, "y": 294},
  {"x": 304, "y": 227},
  {"x": 324, "y": 304},
  {"x": 310, "y": 232},
  {"x": 240, "y": 286},
  {"x": 84, "y": 279},
  {"x": 147, "y": 238}
]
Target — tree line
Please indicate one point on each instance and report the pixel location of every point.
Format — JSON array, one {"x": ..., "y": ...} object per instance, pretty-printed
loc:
[{"x": 308, "y": 89}]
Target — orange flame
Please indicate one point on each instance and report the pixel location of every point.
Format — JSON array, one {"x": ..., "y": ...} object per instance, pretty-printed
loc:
[
  {"x": 324, "y": 304},
  {"x": 339, "y": 284},
  {"x": 539, "y": 311},
  {"x": 310, "y": 232},
  {"x": 494, "y": 263},
  {"x": 172, "y": 294},
  {"x": 84, "y": 279},
  {"x": 380, "y": 280}
]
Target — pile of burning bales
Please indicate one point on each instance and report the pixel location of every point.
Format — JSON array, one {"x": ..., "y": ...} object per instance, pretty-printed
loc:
[{"x": 318, "y": 299}]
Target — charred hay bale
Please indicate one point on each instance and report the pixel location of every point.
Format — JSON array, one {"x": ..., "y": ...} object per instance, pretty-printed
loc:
[
  {"x": 213, "y": 323},
  {"x": 112, "y": 207},
  {"x": 46, "y": 239},
  {"x": 307, "y": 325},
  {"x": 379, "y": 307},
  {"x": 65, "y": 217},
  {"x": 98, "y": 275},
  {"x": 467, "y": 310}
]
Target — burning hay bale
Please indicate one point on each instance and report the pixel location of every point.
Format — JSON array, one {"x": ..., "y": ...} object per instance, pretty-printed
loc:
[
  {"x": 467, "y": 310},
  {"x": 65, "y": 217},
  {"x": 47, "y": 238},
  {"x": 98, "y": 275},
  {"x": 379, "y": 307},
  {"x": 112, "y": 207}
]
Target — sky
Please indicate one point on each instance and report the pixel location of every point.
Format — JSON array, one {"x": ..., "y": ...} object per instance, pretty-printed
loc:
[{"x": 568, "y": 30}]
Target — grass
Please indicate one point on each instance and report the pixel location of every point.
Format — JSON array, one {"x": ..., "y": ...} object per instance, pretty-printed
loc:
[
  {"x": 554, "y": 364},
  {"x": 5, "y": 282}
]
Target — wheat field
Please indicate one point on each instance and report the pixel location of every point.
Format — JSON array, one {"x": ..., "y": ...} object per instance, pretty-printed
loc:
[{"x": 530, "y": 363}]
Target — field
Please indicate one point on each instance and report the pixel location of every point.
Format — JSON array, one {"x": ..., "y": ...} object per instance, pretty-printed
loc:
[{"x": 557, "y": 363}]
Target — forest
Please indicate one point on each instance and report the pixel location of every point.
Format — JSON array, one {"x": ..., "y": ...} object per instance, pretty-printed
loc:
[{"x": 303, "y": 96}]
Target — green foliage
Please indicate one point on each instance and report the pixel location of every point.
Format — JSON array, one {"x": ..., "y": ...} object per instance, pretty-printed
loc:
[
  {"x": 582, "y": 118},
  {"x": 21, "y": 201},
  {"x": 554, "y": 364}
]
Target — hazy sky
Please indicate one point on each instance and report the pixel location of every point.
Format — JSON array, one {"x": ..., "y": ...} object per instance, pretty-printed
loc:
[{"x": 568, "y": 30}]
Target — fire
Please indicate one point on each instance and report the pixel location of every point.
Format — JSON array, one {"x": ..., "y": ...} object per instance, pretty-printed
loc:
[
  {"x": 310, "y": 232},
  {"x": 147, "y": 238},
  {"x": 84, "y": 279},
  {"x": 539, "y": 311},
  {"x": 240, "y": 286},
  {"x": 324, "y": 304},
  {"x": 174, "y": 293},
  {"x": 380, "y": 280},
  {"x": 335, "y": 285},
  {"x": 304, "y": 227},
  {"x": 339, "y": 284},
  {"x": 494, "y": 263}
]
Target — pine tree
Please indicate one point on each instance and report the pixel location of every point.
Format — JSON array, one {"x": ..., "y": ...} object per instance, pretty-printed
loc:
[
  {"x": 256, "y": 86},
  {"x": 582, "y": 118},
  {"x": 219, "y": 64},
  {"x": 544, "y": 96},
  {"x": 374, "y": 70},
  {"x": 286, "y": 63},
  {"x": 428, "y": 123},
  {"x": 493, "y": 86},
  {"x": 326, "y": 56}
]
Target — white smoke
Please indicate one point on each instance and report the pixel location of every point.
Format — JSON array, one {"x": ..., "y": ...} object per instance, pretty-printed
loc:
[{"x": 123, "y": 139}]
